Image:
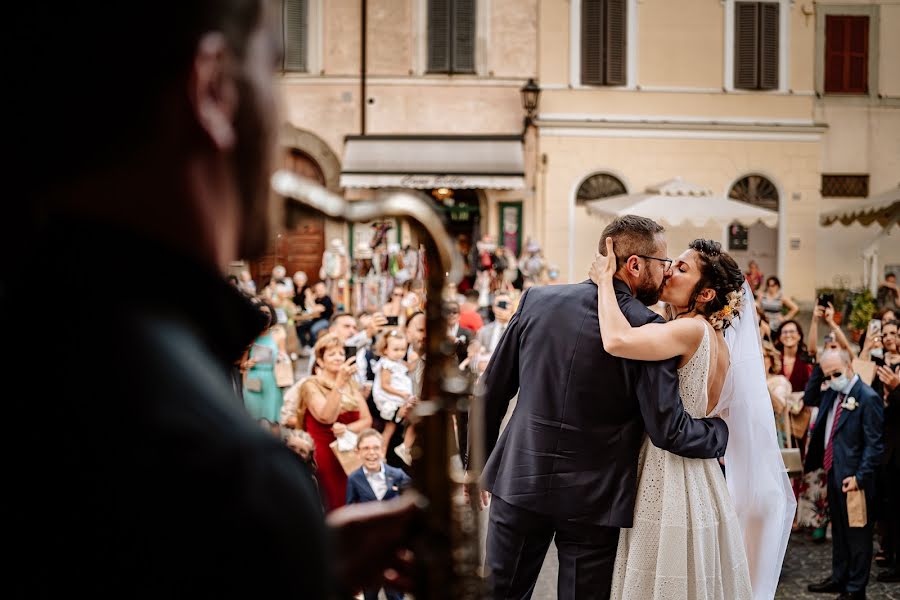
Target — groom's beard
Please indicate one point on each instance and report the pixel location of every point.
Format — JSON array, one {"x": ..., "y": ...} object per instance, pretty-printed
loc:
[{"x": 647, "y": 293}]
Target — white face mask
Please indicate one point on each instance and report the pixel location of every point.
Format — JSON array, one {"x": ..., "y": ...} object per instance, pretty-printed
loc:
[{"x": 838, "y": 383}]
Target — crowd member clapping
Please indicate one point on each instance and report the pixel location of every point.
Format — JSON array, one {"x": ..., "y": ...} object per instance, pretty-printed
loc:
[{"x": 331, "y": 406}]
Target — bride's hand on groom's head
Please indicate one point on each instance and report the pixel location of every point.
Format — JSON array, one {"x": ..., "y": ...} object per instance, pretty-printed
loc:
[{"x": 604, "y": 267}]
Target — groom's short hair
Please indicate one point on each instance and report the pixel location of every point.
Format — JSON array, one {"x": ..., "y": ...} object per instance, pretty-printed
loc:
[{"x": 632, "y": 235}]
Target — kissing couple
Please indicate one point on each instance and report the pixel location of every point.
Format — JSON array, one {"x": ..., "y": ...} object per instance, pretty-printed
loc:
[{"x": 614, "y": 449}]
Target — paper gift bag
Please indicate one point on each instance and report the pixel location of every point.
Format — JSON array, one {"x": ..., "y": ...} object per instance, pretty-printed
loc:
[
  {"x": 349, "y": 460},
  {"x": 284, "y": 373},
  {"x": 856, "y": 508}
]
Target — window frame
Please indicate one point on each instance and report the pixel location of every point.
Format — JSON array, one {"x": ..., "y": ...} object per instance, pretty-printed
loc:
[
  {"x": 784, "y": 47},
  {"x": 476, "y": 31},
  {"x": 631, "y": 48},
  {"x": 845, "y": 90},
  {"x": 873, "y": 11}
]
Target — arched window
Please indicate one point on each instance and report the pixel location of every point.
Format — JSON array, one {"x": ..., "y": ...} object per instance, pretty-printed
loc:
[
  {"x": 598, "y": 186},
  {"x": 756, "y": 190}
]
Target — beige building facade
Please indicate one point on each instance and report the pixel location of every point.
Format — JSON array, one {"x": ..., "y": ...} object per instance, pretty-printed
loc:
[{"x": 660, "y": 92}]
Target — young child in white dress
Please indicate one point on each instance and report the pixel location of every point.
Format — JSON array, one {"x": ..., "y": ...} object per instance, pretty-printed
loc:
[{"x": 392, "y": 390}]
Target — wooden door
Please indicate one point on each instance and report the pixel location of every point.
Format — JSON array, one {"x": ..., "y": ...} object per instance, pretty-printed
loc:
[{"x": 300, "y": 247}]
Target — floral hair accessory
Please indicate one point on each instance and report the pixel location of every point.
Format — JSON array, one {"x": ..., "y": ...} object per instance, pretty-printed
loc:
[{"x": 722, "y": 318}]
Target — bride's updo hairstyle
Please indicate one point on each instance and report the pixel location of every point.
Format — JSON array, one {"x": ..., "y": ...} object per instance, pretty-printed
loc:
[{"x": 719, "y": 272}]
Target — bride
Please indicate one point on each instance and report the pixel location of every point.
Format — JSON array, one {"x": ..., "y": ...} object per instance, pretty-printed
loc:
[{"x": 694, "y": 536}]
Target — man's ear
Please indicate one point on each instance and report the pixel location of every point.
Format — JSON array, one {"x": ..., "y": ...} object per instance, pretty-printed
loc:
[
  {"x": 212, "y": 92},
  {"x": 633, "y": 266}
]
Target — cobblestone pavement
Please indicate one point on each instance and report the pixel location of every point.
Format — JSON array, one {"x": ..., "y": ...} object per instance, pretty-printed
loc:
[{"x": 805, "y": 563}]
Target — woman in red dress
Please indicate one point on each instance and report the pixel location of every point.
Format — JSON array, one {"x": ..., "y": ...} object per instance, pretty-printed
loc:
[{"x": 330, "y": 404}]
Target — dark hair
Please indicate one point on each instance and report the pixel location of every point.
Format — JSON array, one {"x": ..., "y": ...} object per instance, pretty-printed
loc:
[
  {"x": 880, "y": 314},
  {"x": 894, "y": 322},
  {"x": 472, "y": 295},
  {"x": 273, "y": 318},
  {"x": 801, "y": 346},
  {"x": 718, "y": 272},
  {"x": 773, "y": 278},
  {"x": 413, "y": 316},
  {"x": 632, "y": 236}
]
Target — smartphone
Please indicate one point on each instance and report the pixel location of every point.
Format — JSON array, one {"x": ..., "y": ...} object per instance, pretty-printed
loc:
[
  {"x": 349, "y": 352},
  {"x": 504, "y": 304},
  {"x": 393, "y": 321},
  {"x": 826, "y": 299},
  {"x": 874, "y": 327}
]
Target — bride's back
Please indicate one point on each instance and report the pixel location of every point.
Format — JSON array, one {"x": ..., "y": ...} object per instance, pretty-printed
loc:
[
  {"x": 702, "y": 374},
  {"x": 719, "y": 363}
]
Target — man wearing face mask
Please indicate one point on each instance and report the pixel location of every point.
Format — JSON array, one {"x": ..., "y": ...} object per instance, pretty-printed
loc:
[{"x": 847, "y": 443}]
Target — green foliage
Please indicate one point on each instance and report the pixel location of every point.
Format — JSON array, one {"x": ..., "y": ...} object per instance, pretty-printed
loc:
[{"x": 863, "y": 310}]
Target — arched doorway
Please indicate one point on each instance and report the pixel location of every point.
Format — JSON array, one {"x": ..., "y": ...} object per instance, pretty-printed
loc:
[
  {"x": 757, "y": 243},
  {"x": 300, "y": 246}
]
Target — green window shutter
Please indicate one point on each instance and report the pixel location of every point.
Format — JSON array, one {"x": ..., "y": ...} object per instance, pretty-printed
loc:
[
  {"x": 768, "y": 46},
  {"x": 463, "y": 57},
  {"x": 746, "y": 49},
  {"x": 296, "y": 34},
  {"x": 615, "y": 42},
  {"x": 592, "y": 42},
  {"x": 439, "y": 36}
]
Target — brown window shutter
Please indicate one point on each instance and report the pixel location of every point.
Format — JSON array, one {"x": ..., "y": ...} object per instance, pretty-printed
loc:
[
  {"x": 592, "y": 42},
  {"x": 768, "y": 46},
  {"x": 439, "y": 36},
  {"x": 615, "y": 42},
  {"x": 858, "y": 55},
  {"x": 463, "y": 56},
  {"x": 846, "y": 54},
  {"x": 746, "y": 49},
  {"x": 295, "y": 35},
  {"x": 834, "y": 53}
]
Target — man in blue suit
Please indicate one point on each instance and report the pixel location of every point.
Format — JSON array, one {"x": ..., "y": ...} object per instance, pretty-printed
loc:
[
  {"x": 847, "y": 443},
  {"x": 374, "y": 481}
]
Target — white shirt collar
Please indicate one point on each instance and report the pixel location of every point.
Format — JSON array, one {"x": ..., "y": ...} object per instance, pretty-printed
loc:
[{"x": 379, "y": 472}]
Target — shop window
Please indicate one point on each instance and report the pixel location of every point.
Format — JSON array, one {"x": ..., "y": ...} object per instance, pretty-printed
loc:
[
  {"x": 756, "y": 45},
  {"x": 603, "y": 42},
  {"x": 451, "y": 36}
]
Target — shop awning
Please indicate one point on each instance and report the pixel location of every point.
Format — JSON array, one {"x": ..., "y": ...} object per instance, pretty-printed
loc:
[
  {"x": 678, "y": 202},
  {"x": 425, "y": 162},
  {"x": 883, "y": 209}
]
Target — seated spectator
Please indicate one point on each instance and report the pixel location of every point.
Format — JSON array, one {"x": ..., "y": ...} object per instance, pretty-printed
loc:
[
  {"x": 315, "y": 317},
  {"x": 375, "y": 481}
]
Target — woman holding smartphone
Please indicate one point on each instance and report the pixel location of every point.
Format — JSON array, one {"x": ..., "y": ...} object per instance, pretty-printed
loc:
[
  {"x": 394, "y": 309},
  {"x": 331, "y": 404}
]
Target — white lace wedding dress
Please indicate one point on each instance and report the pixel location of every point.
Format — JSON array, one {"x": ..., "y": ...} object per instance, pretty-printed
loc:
[{"x": 686, "y": 541}]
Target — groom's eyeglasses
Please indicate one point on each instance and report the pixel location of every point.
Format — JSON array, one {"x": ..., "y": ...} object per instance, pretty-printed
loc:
[{"x": 667, "y": 262}]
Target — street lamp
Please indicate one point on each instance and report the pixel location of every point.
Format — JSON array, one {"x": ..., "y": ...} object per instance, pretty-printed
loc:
[{"x": 531, "y": 93}]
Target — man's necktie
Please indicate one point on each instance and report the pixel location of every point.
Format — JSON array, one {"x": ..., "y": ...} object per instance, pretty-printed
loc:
[{"x": 829, "y": 451}]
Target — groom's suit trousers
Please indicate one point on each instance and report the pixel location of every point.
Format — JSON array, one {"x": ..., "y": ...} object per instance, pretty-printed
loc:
[{"x": 518, "y": 540}]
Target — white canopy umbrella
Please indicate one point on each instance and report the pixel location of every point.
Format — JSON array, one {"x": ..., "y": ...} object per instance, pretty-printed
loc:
[
  {"x": 677, "y": 202},
  {"x": 883, "y": 209}
]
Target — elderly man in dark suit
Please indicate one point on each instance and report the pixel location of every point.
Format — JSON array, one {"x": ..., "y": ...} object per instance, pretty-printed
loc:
[
  {"x": 565, "y": 468},
  {"x": 847, "y": 443}
]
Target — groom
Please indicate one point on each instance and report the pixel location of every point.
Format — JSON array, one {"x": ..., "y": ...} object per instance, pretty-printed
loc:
[{"x": 566, "y": 465}]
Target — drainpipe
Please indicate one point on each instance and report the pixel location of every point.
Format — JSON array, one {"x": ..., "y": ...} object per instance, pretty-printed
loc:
[{"x": 362, "y": 70}]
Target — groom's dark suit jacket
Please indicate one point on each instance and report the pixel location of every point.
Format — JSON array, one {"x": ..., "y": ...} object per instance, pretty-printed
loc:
[{"x": 571, "y": 447}]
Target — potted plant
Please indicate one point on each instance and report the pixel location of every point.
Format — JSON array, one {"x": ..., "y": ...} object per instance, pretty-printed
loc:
[{"x": 862, "y": 313}]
